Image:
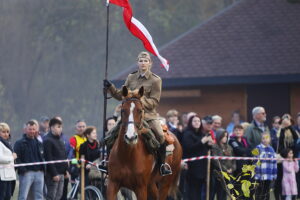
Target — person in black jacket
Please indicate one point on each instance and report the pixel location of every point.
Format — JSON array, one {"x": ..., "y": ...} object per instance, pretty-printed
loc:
[
  {"x": 29, "y": 150},
  {"x": 90, "y": 149},
  {"x": 288, "y": 136},
  {"x": 55, "y": 150},
  {"x": 240, "y": 147},
  {"x": 196, "y": 143}
]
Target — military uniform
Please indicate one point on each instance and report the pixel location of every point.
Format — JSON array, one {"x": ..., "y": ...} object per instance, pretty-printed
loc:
[{"x": 152, "y": 91}]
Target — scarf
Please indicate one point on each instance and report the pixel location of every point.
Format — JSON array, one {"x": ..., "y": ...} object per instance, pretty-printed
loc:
[{"x": 6, "y": 143}]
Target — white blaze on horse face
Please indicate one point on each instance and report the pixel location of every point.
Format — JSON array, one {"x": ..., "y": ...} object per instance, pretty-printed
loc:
[{"x": 130, "y": 129}]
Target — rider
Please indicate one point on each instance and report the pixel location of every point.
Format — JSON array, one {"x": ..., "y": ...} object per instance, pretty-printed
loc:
[{"x": 152, "y": 86}]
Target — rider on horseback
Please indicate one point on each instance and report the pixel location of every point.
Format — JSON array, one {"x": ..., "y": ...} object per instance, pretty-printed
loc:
[{"x": 152, "y": 86}]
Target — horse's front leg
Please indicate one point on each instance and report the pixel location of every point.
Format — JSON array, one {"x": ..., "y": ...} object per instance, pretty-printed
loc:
[
  {"x": 153, "y": 191},
  {"x": 112, "y": 190},
  {"x": 141, "y": 193}
]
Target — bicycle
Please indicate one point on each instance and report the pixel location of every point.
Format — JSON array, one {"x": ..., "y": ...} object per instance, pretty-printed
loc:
[{"x": 92, "y": 192}]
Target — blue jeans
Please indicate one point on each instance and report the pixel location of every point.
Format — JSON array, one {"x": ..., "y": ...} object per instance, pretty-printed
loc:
[
  {"x": 34, "y": 178},
  {"x": 54, "y": 189}
]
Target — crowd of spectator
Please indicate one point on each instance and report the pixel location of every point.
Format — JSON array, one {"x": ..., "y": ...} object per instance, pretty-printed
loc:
[
  {"x": 202, "y": 136},
  {"x": 44, "y": 140}
]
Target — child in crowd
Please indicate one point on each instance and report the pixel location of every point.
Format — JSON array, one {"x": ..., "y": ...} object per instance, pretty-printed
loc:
[
  {"x": 221, "y": 148},
  {"x": 240, "y": 147},
  {"x": 266, "y": 170},
  {"x": 290, "y": 168}
]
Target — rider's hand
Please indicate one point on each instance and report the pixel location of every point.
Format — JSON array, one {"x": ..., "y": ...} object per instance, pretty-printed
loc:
[{"x": 106, "y": 83}]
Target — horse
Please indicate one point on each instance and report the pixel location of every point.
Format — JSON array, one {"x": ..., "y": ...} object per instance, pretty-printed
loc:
[{"x": 130, "y": 164}]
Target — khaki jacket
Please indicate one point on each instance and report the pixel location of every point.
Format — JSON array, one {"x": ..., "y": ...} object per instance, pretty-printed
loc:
[{"x": 152, "y": 90}]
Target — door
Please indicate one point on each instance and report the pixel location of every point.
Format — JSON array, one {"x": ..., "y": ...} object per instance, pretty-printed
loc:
[{"x": 275, "y": 98}]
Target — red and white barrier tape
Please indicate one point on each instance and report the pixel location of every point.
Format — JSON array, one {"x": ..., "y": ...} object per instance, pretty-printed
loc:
[
  {"x": 231, "y": 158},
  {"x": 34, "y": 163},
  {"x": 184, "y": 160}
]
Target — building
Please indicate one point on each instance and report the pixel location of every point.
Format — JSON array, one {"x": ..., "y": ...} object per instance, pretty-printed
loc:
[{"x": 247, "y": 55}]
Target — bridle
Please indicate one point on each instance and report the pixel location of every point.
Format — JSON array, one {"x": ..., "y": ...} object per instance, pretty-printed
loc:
[{"x": 139, "y": 126}]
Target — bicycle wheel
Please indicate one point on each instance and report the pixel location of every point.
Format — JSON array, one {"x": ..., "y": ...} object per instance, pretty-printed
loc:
[{"x": 92, "y": 193}]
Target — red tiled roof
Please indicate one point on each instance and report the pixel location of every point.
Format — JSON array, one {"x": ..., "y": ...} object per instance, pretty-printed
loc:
[{"x": 250, "y": 38}]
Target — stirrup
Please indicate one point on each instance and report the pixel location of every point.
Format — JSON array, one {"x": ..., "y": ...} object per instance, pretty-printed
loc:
[{"x": 165, "y": 169}]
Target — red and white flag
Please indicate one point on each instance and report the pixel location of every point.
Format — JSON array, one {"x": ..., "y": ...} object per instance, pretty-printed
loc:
[{"x": 139, "y": 30}]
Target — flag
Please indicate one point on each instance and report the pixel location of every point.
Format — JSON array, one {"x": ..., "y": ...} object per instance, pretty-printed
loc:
[{"x": 139, "y": 30}]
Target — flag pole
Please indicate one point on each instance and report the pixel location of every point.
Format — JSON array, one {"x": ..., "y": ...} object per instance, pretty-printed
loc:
[{"x": 104, "y": 89}]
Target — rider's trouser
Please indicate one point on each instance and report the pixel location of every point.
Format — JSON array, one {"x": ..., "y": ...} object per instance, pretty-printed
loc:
[{"x": 155, "y": 125}]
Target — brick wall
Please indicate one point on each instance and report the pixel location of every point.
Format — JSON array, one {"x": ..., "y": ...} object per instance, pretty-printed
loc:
[{"x": 221, "y": 100}]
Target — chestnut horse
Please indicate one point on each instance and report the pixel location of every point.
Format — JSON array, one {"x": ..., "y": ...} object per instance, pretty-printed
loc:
[{"x": 130, "y": 165}]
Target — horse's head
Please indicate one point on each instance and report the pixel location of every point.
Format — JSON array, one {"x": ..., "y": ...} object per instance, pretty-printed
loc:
[{"x": 132, "y": 114}]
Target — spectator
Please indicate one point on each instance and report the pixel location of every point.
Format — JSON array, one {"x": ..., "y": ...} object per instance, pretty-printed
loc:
[
  {"x": 55, "y": 150},
  {"x": 117, "y": 112},
  {"x": 78, "y": 139},
  {"x": 245, "y": 125},
  {"x": 216, "y": 122},
  {"x": 110, "y": 123},
  {"x": 290, "y": 167},
  {"x": 266, "y": 171},
  {"x": 235, "y": 120},
  {"x": 172, "y": 123},
  {"x": 75, "y": 142},
  {"x": 189, "y": 115},
  {"x": 297, "y": 126},
  {"x": 69, "y": 153},
  {"x": 275, "y": 131},
  {"x": 257, "y": 127},
  {"x": 288, "y": 136},
  {"x": 196, "y": 143},
  {"x": 221, "y": 148},
  {"x": 29, "y": 150},
  {"x": 44, "y": 125},
  {"x": 184, "y": 120},
  {"x": 240, "y": 147},
  {"x": 90, "y": 149},
  {"x": 207, "y": 127},
  {"x": 7, "y": 157}
]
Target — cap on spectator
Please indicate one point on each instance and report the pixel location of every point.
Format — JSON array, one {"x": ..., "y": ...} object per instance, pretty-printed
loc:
[
  {"x": 208, "y": 119},
  {"x": 54, "y": 121},
  {"x": 44, "y": 119},
  {"x": 172, "y": 113}
]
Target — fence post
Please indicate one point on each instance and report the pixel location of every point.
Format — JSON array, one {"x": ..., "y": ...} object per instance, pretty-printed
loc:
[
  {"x": 208, "y": 175},
  {"x": 82, "y": 179}
]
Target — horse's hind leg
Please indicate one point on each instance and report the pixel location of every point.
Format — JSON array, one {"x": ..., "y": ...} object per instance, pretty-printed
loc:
[{"x": 112, "y": 190}]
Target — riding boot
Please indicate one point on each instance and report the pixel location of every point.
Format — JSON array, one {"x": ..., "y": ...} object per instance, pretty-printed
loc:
[{"x": 164, "y": 168}]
